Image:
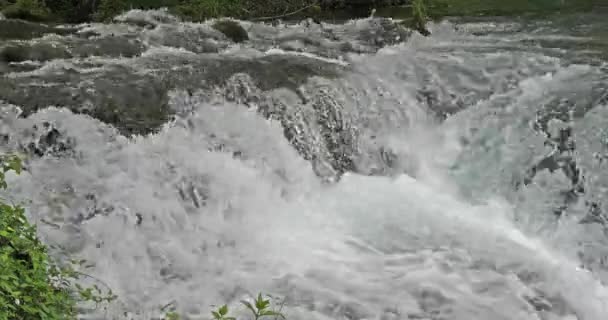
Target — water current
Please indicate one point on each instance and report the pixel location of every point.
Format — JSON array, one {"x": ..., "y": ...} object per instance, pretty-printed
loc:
[{"x": 355, "y": 170}]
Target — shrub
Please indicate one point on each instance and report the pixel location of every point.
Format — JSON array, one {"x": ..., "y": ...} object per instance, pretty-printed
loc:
[
  {"x": 419, "y": 17},
  {"x": 32, "y": 287},
  {"x": 32, "y": 10}
]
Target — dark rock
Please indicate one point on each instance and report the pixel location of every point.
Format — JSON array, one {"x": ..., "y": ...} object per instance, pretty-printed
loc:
[
  {"x": 47, "y": 140},
  {"x": 197, "y": 40},
  {"x": 19, "y": 29},
  {"x": 232, "y": 30},
  {"x": 109, "y": 47},
  {"x": 34, "y": 52},
  {"x": 539, "y": 303}
]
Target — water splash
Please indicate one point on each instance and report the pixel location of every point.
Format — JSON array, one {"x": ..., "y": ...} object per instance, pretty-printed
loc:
[{"x": 445, "y": 206}]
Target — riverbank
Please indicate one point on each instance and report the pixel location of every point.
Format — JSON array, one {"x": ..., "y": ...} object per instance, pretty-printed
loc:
[
  {"x": 103, "y": 10},
  {"x": 67, "y": 11}
]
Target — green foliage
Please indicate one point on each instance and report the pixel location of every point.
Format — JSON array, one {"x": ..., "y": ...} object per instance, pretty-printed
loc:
[
  {"x": 439, "y": 8},
  {"x": 33, "y": 10},
  {"x": 260, "y": 308},
  {"x": 4, "y": 4},
  {"x": 222, "y": 314},
  {"x": 76, "y": 11},
  {"x": 108, "y": 9},
  {"x": 419, "y": 17},
  {"x": 32, "y": 287},
  {"x": 199, "y": 10}
]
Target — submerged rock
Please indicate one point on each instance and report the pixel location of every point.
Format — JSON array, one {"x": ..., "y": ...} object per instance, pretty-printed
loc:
[{"x": 231, "y": 29}]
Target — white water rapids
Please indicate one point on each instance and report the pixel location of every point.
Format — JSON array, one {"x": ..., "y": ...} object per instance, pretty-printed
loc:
[{"x": 165, "y": 220}]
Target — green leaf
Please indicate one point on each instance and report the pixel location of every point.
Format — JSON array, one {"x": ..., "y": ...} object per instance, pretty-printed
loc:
[
  {"x": 223, "y": 310},
  {"x": 260, "y": 303},
  {"x": 249, "y": 306},
  {"x": 216, "y": 315}
]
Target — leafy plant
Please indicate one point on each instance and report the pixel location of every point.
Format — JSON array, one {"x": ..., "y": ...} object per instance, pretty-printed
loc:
[
  {"x": 261, "y": 308},
  {"x": 32, "y": 286},
  {"x": 172, "y": 316},
  {"x": 419, "y": 17},
  {"x": 222, "y": 314}
]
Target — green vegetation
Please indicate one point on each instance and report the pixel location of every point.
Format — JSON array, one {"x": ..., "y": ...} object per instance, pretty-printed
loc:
[
  {"x": 108, "y": 9},
  {"x": 85, "y": 10},
  {"x": 419, "y": 17},
  {"x": 442, "y": 8},
  {"x": 260, "y": 309},
  {"x": 202, "y": 9},
  {"x": 76, "y": 11},
  {"x": 32, "y": 286},
  {"x": 32, "y": 10}
]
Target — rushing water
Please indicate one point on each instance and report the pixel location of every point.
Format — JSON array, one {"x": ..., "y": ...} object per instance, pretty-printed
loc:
[{"x": 356, "y": 170}]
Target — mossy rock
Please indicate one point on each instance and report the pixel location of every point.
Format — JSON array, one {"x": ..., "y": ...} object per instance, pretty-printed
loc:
[
  {"x": 31, "y": 10},
  {"x": 232, "y": 30}
]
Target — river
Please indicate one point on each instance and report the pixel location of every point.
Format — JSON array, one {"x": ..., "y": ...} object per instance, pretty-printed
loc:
[{"x": 354, "y": 170}]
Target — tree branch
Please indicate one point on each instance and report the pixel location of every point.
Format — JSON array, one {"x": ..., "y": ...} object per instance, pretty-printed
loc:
[{"x": 286, "y": 14}]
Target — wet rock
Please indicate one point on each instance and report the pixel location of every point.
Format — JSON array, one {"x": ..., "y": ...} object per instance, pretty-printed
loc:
[
  {"x": 594, "y": 215},
  {"x": 33, "y": 52},
  {"x": 48, "y": 140},
  {"x": 232, "y": 30},
  {"x": 194, "y": 192},
  {"x": 336, "y": 130},
  {"x": 382, "y": 32},
  {"x": 136, "y": 102},
  {"x": 19, "y": 29},
  {"x": 431, "y": 299},
  {"x": 539, "y": 303},
  {"x": 313, "y": 118},
  {"x": 200, "y": 39},
  {"x": 117, "y": 46},
  {"x": 147, "y": 18}
]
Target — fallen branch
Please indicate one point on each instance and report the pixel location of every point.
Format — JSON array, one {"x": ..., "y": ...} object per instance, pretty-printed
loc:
[{"x": 286, "y": 14}]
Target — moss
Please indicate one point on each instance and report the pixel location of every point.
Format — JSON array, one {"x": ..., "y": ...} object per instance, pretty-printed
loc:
[
  {"x": 32, "y": 10},
  {"x": 231, "y": 29}
]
